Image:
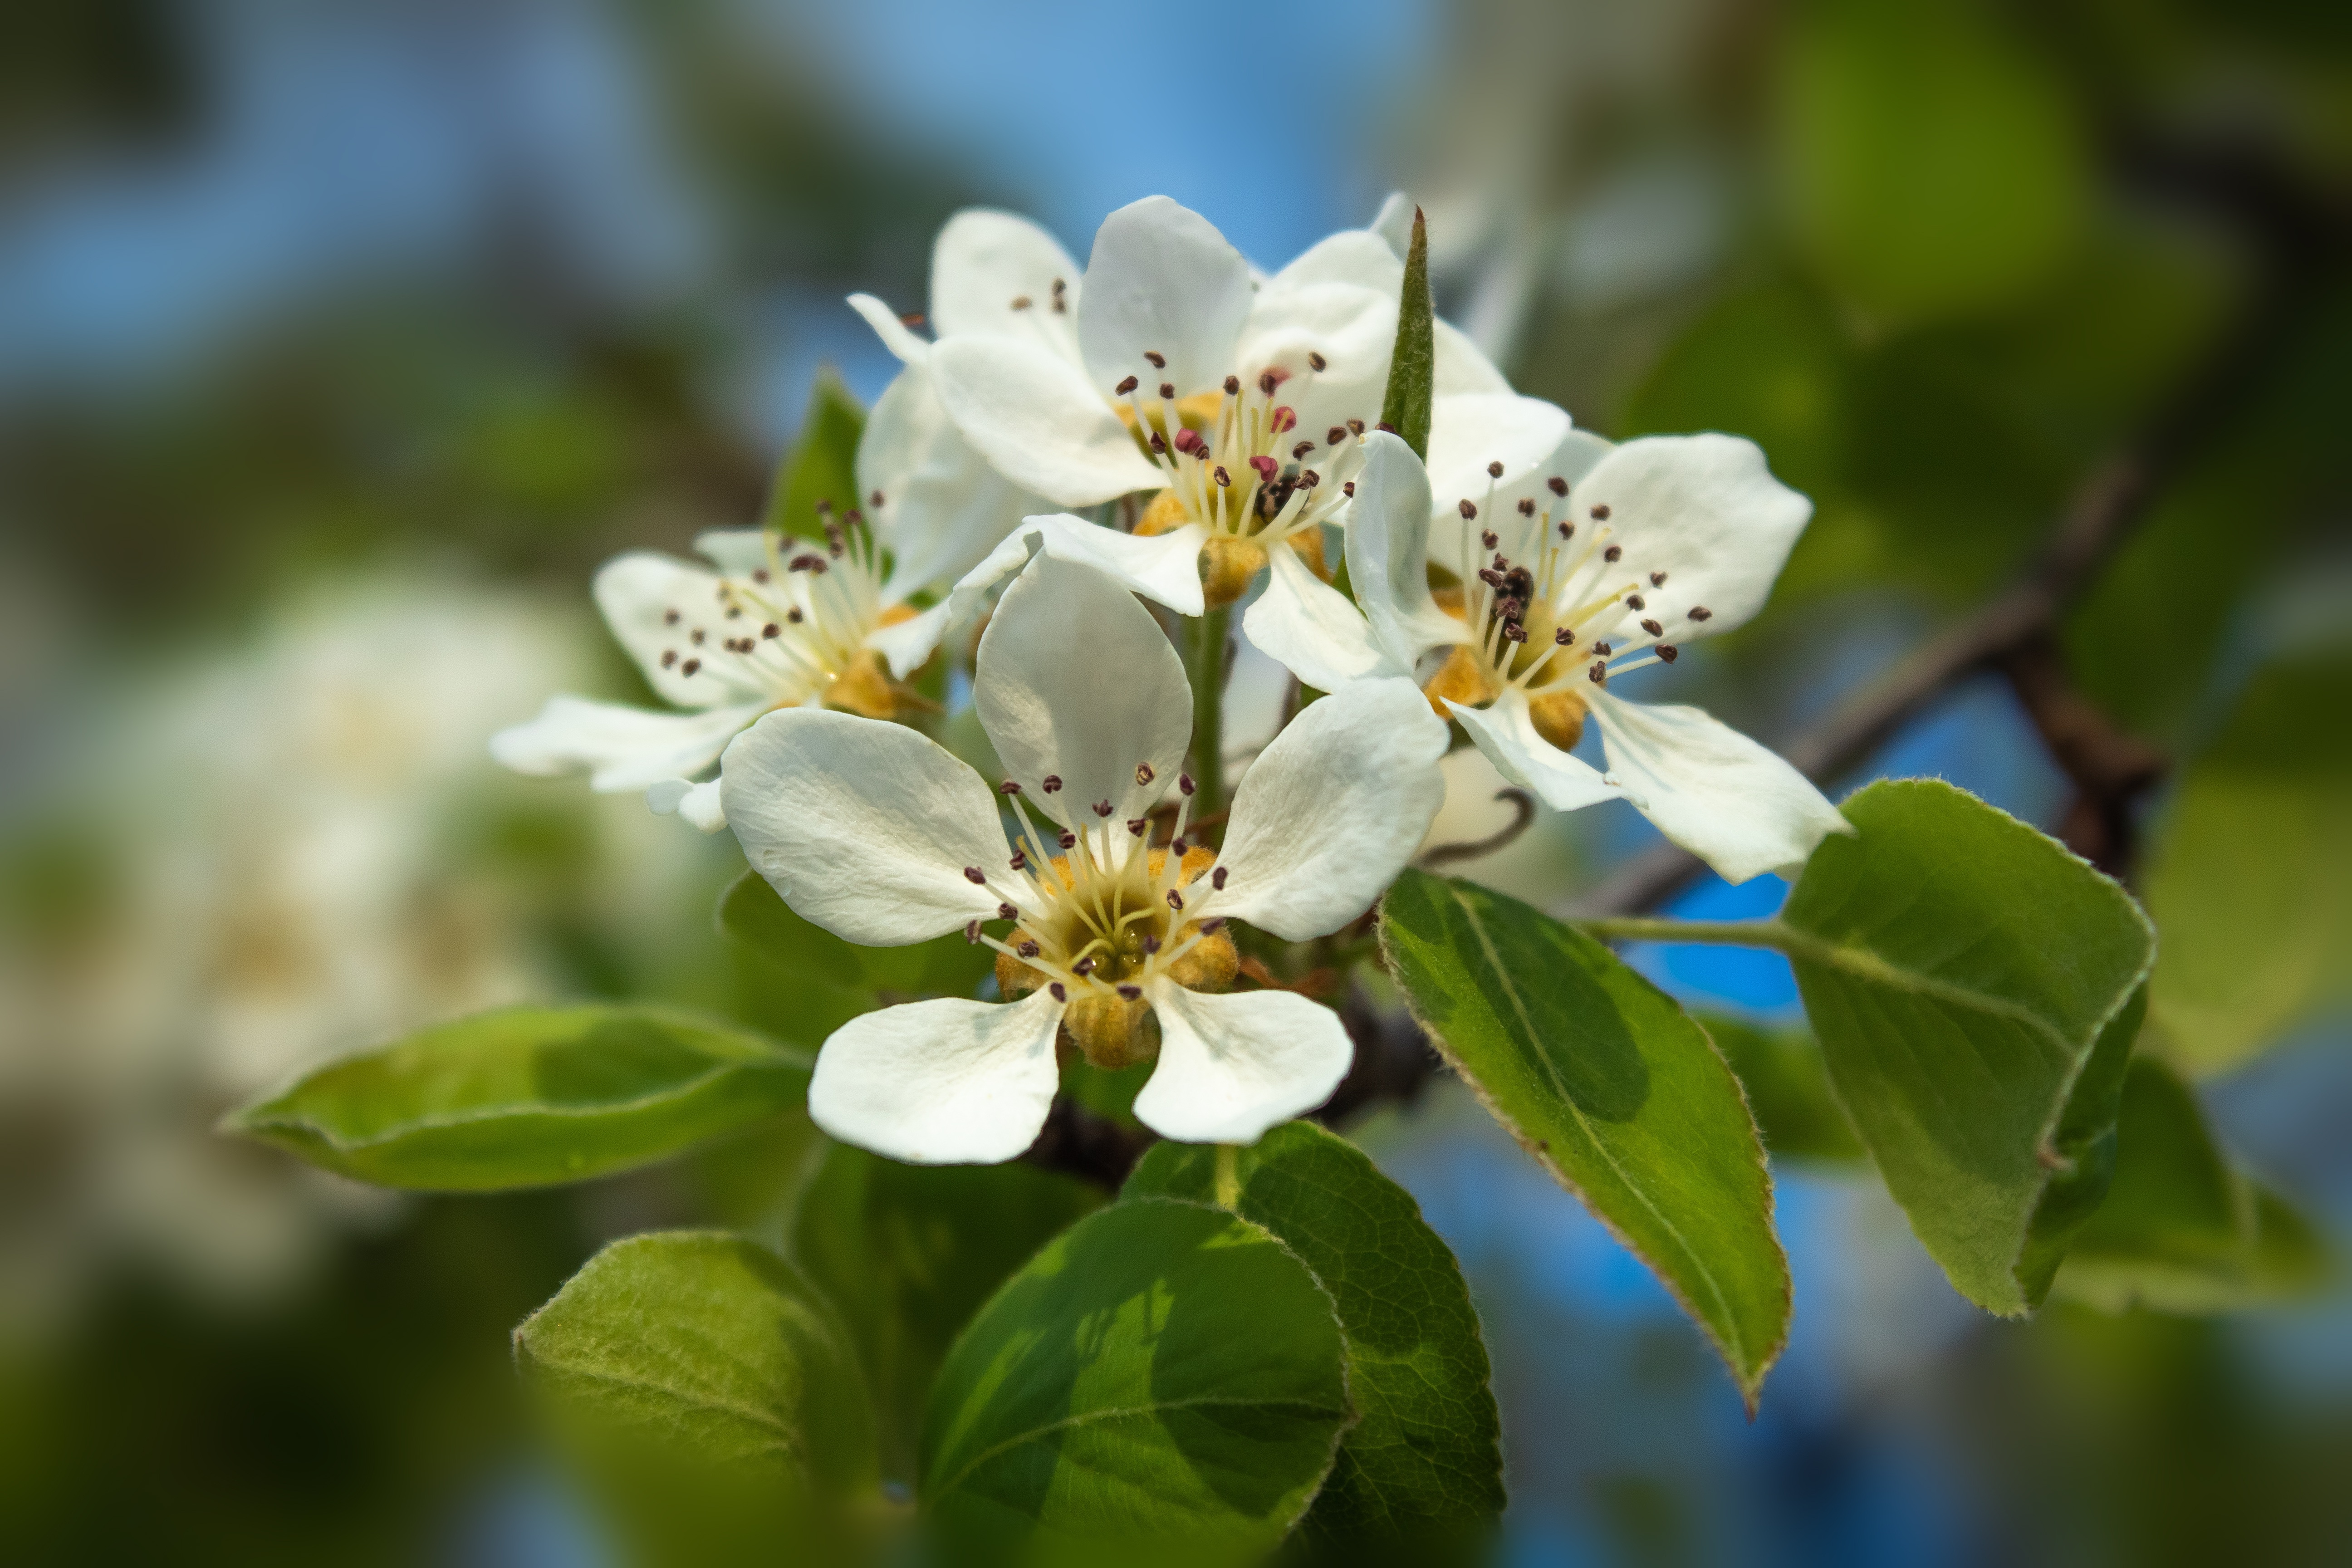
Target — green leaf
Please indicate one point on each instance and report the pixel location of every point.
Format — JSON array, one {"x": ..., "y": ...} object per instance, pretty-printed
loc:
[
  {"x": 708, "y": 1390},
  {"x": 1612, "y": 1087},
  {"x": 2183, "y": 1230},
  {"x": 1959, "y": 969},
  {"x": 529, "y": 1097},
  {"x": 1787, "y": 1086},
  {"x": 823, "y": 466},
  {"x": 840, "y": 979},
  {"x": 1164, "y": 1380},
  {"x": 1933, "y": 164},
  {"x": 909, "y": 1253},
  {"x": 1424, "y": 1465},
  {"x": 1413, "y": 365},
  {"x": 2250, "y": 875}
]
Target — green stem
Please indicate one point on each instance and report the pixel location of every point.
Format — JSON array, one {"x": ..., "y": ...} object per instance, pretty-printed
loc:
[
  {"x": 1208, "y": 673},
  {"x": 1736, "y": 933}
]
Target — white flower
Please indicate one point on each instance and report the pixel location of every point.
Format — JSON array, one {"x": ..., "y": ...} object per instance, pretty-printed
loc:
[
  {"x": 1553, "y": 585},
  {"x": 883, "y": 838},
  {"x": 1168, "y": 366}
]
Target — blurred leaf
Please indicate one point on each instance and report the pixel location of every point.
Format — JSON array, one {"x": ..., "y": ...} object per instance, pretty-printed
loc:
[
  {"x": 1424, "y": 1466},
  {"x": 529, "y": 1097},
  {"x": 1973, "y": 987},
  {"x": 1164, "y": 1380},
  {"x": 840, "y": 973},
  {"x": 1768, "y": 364},
  {"x": 1612, "y": 1089},
  {"x": 2250, "y": 875},
  {"x": 1933, "y": 165},
  {"x": 708, "y": 1391},
  {"x": 909, "y": 1253},
  {"x": 2182, "y": 1229},
  {"x": 823, "y": 466},
  {"x": 1413, "y": 364},
  {"x": 1787, "y": 1086}
]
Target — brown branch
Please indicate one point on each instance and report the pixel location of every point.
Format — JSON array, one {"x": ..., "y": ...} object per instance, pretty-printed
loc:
[{"x": 1523, "y": 808}]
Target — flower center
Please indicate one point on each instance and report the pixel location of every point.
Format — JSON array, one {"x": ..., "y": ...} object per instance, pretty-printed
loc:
[
  {"x": 1099, "y": 915},
  {"x": 1542, "y": 586},
  {"x": 797, "y": 627}
]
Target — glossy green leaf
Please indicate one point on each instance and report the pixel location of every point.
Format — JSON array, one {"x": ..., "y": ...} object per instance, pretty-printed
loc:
[
  {"x": 1959, "y": 969},
  {"x": 1932, "y": 163},
  {"x": 840, "y": 978},
  {"x": 528, "y": 1096},
  {"x": 1413, "y": 366},
  {"x": 1612, "y": 1087},
  {"x": 2250, "y": 875},
  {"x": 709, "y": 1390},
  {"x": 1424, "y": 1466},
  {"x": 1164, "y": 1381},
  {"x": 2183, "y": 1230},
  {"x": 1787, "y": 1086},
  {"x": 909, "y": 1253},
  {"x": 822, "y": 465}
]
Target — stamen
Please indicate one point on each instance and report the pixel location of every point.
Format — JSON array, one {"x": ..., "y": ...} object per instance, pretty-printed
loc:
[
  {"x": 1526, "y": 506},
  {"x": 1316, "y": 361},
  {"x": 1053, "y": 782},
  {"x": 1168, "y": 391},
  {"x": 1334, "y": 436},
  {"x": 1668, "y": 652},
  {"x": 1159, "y": 361},
  {"x": 1124, "y": 388},
  {"x": 690, "y": 667},
  {"x": 1020, "y": 861},
  {"x": 1059, "y": 993},
  {"x": 1635, "y": 602},
  {"x": 1068, "y": 840},
  {"x": 1467, "y": 511},
  {"x": 975, "y": 876},
  {"x": 1135, "y": 825},
  {"x": 971, "y": 933},
  {"x": 669, "y": 656},
  {"x": 1175, "y": 900},
  {"x": 1654, "y": 629},
  {"x": 1217, "y": 879},
  {"x": 1184, "y": 783},
  {"x": 1558, "y": 486},
  {"x": 1102, "y": 808},
  {"x": 1007, "y": 912},
  {"x": 1599, "y": 672},
  {"x": 1701, "y": 613},
  {"x": 1657, "y": 579},
  {"x": 1010, "y": 786},
  {"x": 670, "y": 617},
  {"x": 1233, "y": 387},
  {"x": 1131, "y": 993},
  {"x": 1613, "y": 552},
  {"x": 1494, "y": 470}
]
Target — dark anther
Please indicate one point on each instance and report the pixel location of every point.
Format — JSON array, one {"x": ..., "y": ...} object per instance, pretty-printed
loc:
[
  {"x": 1176, "y": 847},
  {"x": 1233, "y": 387},
  {"x": 669, "y": 656},
  {"x": 794, "y": 616},
  {"x": 1669, "y": 652},
  {"x": 1657, "y": 579},
  {"x": 1124, "y": 388},
  {"x": 1635, "y": 602},
  {"x": 734, "y": 612},
  {"x": 1349, "y": 488},
  {"x": 875, "y": 499},
  {"x": 1355, "y": 427},
  {"x": 1567, "y": 530},
  {"x": 1010, "y": 786},
  {"x": 1168, "y": 389},
  {"x": 1558, "y": 486},
  {"x": 1059, "y": 993},
  {"x": 1334, "y": 436},
  {"x": 1068, "y": 839},
  {"x": 1526, "y": 506},
  {"x": 1028, "y": 949},
  {"x": 1084, "y": 966},
  {"x": 1143, "y": 773},
  {"x": 1488, "y": 575},
  {"x": 1599, "y": 672},
  {"x": 1466, "y": 510},
  {"x": 1494, "y": 470},
  {"x": 1612, "y": 553},
  {"x": 1563, "y": 636},
  {"x": 1309, "y": 479},
  {"x": 1159, "y": 361},
  {"x": 1300, "y": 450},
  {"x": 1217, "y": 879},
  {"x": 1175, "y": 899},
  {"x": 1007, "y": 912},
  {"x": 1316, "y": 361},
  {"x": 1021, "y": 301},
  {"x": 1654, "y": 629},
  {"x": 1135, "y": 825},
  {"x": 1514, "y": 632},
  {"x": 1602, "y": 648},
  {"x": 1269, "y": 381},
  {"x": 1210, "y": 928},
  {"x": 1131, "y": 993},
  {"x": 1102, "y": 808},
  {"x": 1222, "y": 477},
  {"x": 1488, "y": 539},
  {"x": 1384, "y": 424},
  {"x": 1159, "y": 443},
  {"x": 670, "y": 617},
  {"x": 690, "y": 667},
  {"x": 695, "y": 637},
  {"x": 1184, "y": 783},
  {"x": 1600, "y": 514},
  {"x": 1053, "y": 782},
  {"x": 1020, "y": 861},
  {"x": 1151, "y": 943},
  {"x": 975, "y": 876},
  {"x": 971, "y": 933},
  {"x": 805, "y": 563},
  {"x": 1700, "y": 613},
  {"x": 772, "y": 630}
]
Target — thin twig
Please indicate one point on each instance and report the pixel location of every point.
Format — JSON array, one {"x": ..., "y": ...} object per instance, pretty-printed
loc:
[{"x": 1523, "y": 808}]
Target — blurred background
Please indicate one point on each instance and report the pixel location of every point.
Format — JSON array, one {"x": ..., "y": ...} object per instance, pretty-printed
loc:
[{"x": 338, "y": 342}]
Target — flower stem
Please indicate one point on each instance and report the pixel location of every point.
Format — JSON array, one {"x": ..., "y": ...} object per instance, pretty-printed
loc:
[
  {"x": 1208, "y": 673},
  {"x": 1229, "y": 1178}
]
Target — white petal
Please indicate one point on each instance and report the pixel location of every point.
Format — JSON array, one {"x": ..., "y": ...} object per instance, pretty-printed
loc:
[
  {"x": 626, "y": 747},
  {"x": 1076, "y": 680},
  {"x": 895, "y": 333},
  {"x": 908, "y": 643},
  {"x": 1232, "y": 1066},
  {"x": 1312, "y": 629},
  {"x": 1461, "y": 366},
  {"x": 1712, "y": 790},
  {"x": 699, "y": 804},
  {"x": 1164, "y": 568},
  {"x": 1162, "y": 280},
  {"x": 943, "y": 508},
  {"x": 1507, "y": 734},
  {"x": 865, "y": 828},
  {"x": 983, "y": 260},
  {"x": 1393, "y": 224},
  {"x": 1469, "y": 432},
  {"x": 940, "y": 1083},
  {"x": 1331, "y": 811},
  {"x": 1035, "y": 416},
  {"x": 1388, "y": 553},
  {"x": 737, "y": 551},
  {"x": 1706, "y": 512},
  {"x": 1576, "y": 455},
  {"x": 1338, "y": 300},
  {"x": 638, "y": 593}
]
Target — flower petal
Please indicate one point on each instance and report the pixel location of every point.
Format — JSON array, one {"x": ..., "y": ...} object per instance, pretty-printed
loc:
[
  {"x": 1331, "y": 811},
  {"x": 895, "y": 333},
  {"x": 940, "y": 1083},
  {"x": 1311, "y": 629},
  {"x": 699, "y": 804},
  {"x": 1576, "y": 455},
  {"x": 1507, "y": 734},
  {"x": 983, "y": 261},
  {"x": 737, "y": 551},
  {"x": 865, "y": 828},
  {"x": 1035, "y": 417},
  {"x": 1388, "y": 553},
  {"x": 907, "y": 644},
  {"x": 1393, "y": 224},
  {"x": 1705, "y": 511},
  {"x": 1164, "y": 568},
  {"x": 1468, "y": 432},
  {"x": 1338, "y": 300},
  {"x": 943, "y": 508},
  {"x": 1232, "y": 1066},
  {"x": 1162, "y": 280},
  {"x": 1712, "y": 790},
  {"x": 1076, "y": 680},
  {"x": 638, "y": 594},
  {"x": 626, "y": 747},
  {"x": 1461, "y": 365}
]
